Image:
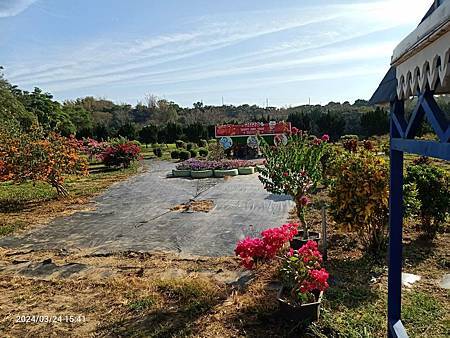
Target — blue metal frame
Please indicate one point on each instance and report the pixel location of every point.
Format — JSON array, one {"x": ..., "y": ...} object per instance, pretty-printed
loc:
[{"x": 402, "y": 140}]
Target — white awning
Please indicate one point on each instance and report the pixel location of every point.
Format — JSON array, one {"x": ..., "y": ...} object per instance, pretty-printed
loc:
[{"x": 422, "y": 58}]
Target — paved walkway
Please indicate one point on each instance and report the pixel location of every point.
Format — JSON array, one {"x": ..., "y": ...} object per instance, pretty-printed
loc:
[{"x": 134, "y": 215}]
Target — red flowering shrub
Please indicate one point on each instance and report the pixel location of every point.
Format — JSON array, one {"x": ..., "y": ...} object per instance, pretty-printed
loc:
[
  {"x": 302, "y": 272},
  {"x": 120, "y": 154},
  {"x": 252, "y": 250},
  {"x": 92, "y": 147}
]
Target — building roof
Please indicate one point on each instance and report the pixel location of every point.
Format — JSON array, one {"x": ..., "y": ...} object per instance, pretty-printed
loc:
[
  {"x": 387, "y": 89},
  {"x": 434, "y": 25}
]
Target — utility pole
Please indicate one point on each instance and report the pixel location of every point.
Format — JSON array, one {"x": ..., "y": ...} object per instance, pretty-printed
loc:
[
  {"x": 309, "y": 101},
  {"x": 222, "y": 100}
]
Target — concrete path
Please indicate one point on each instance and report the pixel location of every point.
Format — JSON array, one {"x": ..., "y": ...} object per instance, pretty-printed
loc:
[{"x": 134, "y": 215}]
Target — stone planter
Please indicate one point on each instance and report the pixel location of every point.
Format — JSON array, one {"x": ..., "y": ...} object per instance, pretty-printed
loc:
[
  {"x": 201, "y": 173},
  {"x": 181, "y": 173},
  {"x": 226, "y": 172},
  {"x": 246, "y": 170},
  {"x": 259, "y": 167},
  {"x": 298, "y": 241},
  {"x": 304, "y": 313}
]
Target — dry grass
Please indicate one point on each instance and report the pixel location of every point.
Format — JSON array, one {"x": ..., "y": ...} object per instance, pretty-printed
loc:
[{"x": 195, "y": 206}]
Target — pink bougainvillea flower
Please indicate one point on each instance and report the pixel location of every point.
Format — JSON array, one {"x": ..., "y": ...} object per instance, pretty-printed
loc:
[
  {"x": 285, "y": 174},
  {"x": 304, "y": 200},
  {"x": 325, "y": 137},
  {"x": 294, "y": 130},
  {"x": 316, "y": 141}
]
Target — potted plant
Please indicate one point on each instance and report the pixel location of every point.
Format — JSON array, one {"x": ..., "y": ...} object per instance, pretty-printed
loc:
[
  {"x": 303, "y": 278},
  {"x": 294, "y": 168},
  {"x": 303, "y": 282}
]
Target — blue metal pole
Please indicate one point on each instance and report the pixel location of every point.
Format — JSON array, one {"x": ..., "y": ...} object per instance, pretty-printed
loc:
[{"x": 395, "y": 231}]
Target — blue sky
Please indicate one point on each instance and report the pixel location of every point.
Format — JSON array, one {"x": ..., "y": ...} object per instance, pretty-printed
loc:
[{"x": 192, "y": 50}]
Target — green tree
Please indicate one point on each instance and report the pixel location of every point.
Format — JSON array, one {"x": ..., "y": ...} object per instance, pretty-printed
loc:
[
  {"x": 332, "y": 124},
  {"x": 80, "y": 118},
  {"x": 127, "y": 130},
  {"x": 148, "y": 134},
  {"x": 11, "y": 108},
  {"x": 375, "y": 122},
  {"x": 300, "y": 120}
]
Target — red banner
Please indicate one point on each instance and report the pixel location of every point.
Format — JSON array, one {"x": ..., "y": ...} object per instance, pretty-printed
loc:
[{"x": 253, "y": 128}]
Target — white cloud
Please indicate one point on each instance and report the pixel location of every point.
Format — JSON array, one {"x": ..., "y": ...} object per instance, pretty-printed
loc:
[
  {"x": 13, "y": 7},
  {"x": 236, "y": 44}
]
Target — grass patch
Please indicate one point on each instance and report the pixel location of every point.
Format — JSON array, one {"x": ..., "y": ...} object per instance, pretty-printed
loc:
[
  {"x": 6, "y": 229},
  {"x": 142, "y": 304}
]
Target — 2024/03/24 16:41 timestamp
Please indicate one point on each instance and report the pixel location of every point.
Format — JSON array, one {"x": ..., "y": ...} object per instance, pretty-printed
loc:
[{"x": 50, "y": 319}]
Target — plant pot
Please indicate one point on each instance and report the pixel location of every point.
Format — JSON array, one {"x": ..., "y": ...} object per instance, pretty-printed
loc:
[
  {"x": 201, "y": 173},
  {"x": 181, "y": 173},
  {"x": 246, "y": 170},
  {"x": 303, "y": 313},
  {"x": 227, "y": 172},
  {"x": 298, "y": 241}
]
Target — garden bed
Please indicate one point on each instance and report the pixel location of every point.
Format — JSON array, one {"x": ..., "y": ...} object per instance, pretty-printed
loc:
[{"x": 199, "y": 169}]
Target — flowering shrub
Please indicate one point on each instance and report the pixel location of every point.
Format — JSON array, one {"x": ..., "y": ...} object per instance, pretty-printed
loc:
[
  {"x": 92, "y": 147},
  {"x": 429, "y": 185},
  {"x": 253, "y": 250},
  {"x": 120, "y": 154},
  {"x": 359, "y": 196},
  {"x": 350, "y": 145},
  {"x": 302, "y": 272},
  {"x": 38, "y": 157},
  {"x": 294, "y": 168},
  {"x": 194, "y": 164}
]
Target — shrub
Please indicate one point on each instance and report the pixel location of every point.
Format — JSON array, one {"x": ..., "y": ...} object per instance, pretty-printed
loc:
[
  {"x": 430, "y": 185},
  {"x": 294, "y": 168},
  {"x": 203, "y": 143},
  {"x": 92, "y": 147},
  {"x": 35, "y": 156},
  {"x": 157, "y": 152},
  {"x": 193, "y": 152},
  {"x": 120, "y": 154},
  {"x": 203, "y": 152},
  {"x": 349, "y": 137},
  {"x": 216, "y": 152},
  {"x": 180, "y": 144},
  {"x": 302, "y": 272},
  {"x": 350, "y": 145},
  {"x": 359, "y": 196},
  {"x": 175, "y": 154},
  {"x": 190, "y": 146},
  {"x": 185, "y": 155}
]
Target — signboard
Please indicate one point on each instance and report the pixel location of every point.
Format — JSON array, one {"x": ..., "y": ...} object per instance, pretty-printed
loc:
[
  {"x": 226, "y": 142},
  {"x": 253, "y": 128},
  {"x": 252, "y": 141}
]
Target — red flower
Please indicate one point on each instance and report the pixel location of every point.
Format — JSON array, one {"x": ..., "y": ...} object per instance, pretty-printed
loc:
[
  {"x": 294, "y": 130},
  {"x": 285, "y": 174},
  {"x": 325, "y": 137}
]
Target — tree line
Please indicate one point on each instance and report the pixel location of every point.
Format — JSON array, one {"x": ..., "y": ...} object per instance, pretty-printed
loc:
[{"x": 156, "y": 120}]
